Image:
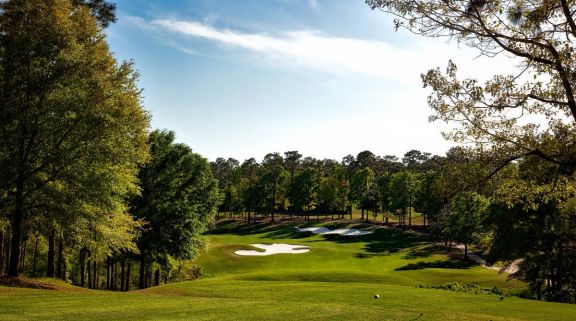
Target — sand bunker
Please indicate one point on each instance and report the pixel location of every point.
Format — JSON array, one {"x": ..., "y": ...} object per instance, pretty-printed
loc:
[
  {"x": 276, "y": 248},
  {"x": 340, "y": 231}
]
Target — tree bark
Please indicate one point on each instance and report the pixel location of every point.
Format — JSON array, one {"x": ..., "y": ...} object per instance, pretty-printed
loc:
[
  {"x": 142, "y": 275},
  {"x": 410, "y": 211},
  {"x": 34, "y": 258},
  {"x": 60, "y": 259},
  {"x": 114, "y": 276},
  {"x": 7, "y": 255},
  {"x": 148, "y": 277},
  {"x": 1, "y": 251},
  {"x": 82, "y": 267},
  {"x": 88, "y": 265},
  {"x": 424, "y": 217},
  {"x": 16, "y": 224},
  {"x": 122, "y": 271},
  {"x": 95, "y": 275},
  {"x": 51, "y": 253},
  {"x": 127, "y": 287},
  {"x": 23, "y": 258},
  {"x": 107, "y": 273}
]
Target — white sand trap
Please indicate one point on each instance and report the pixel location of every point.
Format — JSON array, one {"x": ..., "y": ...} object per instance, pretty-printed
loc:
[
  {"x": 340, "y": 231},
  {"x": 276, "y": 248}
]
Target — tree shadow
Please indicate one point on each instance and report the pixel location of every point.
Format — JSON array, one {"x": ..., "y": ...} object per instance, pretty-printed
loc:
[
  {"x": 439, "y": 264},
  {"x": 420, "y": 252},
  {"x": 382, "y": 241},
  {"x": 388, "y": 241},
  {"x": 243, "y": 228}
]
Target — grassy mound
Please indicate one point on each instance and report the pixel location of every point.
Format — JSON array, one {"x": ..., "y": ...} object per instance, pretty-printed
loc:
[{"x": 26, "y": 283}]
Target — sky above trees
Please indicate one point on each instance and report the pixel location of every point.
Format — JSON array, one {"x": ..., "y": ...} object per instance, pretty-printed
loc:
[{"x": 324, "y": 77}]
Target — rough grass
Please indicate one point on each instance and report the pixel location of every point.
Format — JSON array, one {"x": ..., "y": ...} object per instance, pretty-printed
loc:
[{"x": 335, "y": 281}]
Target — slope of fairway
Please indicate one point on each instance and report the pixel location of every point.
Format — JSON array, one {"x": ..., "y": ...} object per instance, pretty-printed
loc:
[
  {"x": 387, "y": 256},
  {"x": 336, "y": 280}
]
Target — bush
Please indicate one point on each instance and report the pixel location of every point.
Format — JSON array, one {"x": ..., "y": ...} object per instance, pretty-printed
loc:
[{"x": 473, "y": 288}]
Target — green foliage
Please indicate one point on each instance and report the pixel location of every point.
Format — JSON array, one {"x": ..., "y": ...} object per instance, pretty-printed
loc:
[
  {"x": 470, "y": 288},
  {"x": 402, "y": 190},
  {"x": 73, "y": 132},
  {"x": 179, "y": 198},
  {"x": 334, "y": 190},
  {"x": 465, "y": 216},
  {"x": 362, "y": 187},
  {"x": 303, "y": 190},
  {"x": 271, "y": 182}
]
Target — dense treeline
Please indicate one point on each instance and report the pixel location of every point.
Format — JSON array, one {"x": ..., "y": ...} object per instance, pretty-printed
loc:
[
  {"x": 456, "y": 201},
  {"x": 293, "y": 185},
  {"x": 86, "y": 191}
]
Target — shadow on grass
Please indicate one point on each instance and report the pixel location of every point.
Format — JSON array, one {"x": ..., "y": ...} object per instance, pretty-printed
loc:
[
  {"x": 243, "y": 228},
  {"x": 424, "y": 251},
  {"x": 436, "y": 265},
  {"x": 383, "y": 241}
]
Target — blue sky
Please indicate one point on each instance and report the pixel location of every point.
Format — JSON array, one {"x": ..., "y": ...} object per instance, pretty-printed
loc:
[{"x": 243, "y": 78}]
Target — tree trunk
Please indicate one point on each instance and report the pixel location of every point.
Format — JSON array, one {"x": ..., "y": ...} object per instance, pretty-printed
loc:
[
  {"x": 362, "y": 214},
  {"x": 1, "y": 251},
  {"x": 51, "y": 254},
  {"x": 142, "y": 275},
  {"x": 82, "y": 267},
  {"x": 34, "y": 257},
  {"x": 148, "y": 277},
  {"x": 465, "y": 251},
  {"x": 410, "y": 211},
  {"x": 114, "y": 276},
  {"x": 7, "y": 255},
  {"x": 64, "y": 269},
  {"x": 122, "y": 271},
  {"x": 107, "y": 273},
  {"x": 95, "y": 272},
  {"x": 16, "y": 223},
  {"x": 157, "y": 277},
  {"x": 23, "y": 259},
  {"x": 89, "y": 273},
  {"x": 60, "y": 259},
  {"x": 424, "y": 217},
  {"x": 127, "y": 287}
]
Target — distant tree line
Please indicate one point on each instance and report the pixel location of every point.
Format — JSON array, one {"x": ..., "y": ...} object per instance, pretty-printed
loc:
[
  {"x": 87, "y": 193},
  {"x": 293, "y": 185}
]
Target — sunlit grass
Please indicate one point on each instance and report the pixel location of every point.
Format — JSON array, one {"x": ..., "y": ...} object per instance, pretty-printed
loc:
[{"x": 336, "y": 280}]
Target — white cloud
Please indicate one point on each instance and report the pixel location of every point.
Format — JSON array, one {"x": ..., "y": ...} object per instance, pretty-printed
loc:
[{"x": 319, "y": 51}]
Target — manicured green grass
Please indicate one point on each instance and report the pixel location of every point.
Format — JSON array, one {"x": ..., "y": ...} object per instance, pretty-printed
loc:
[{"x": 336, "y": 280}]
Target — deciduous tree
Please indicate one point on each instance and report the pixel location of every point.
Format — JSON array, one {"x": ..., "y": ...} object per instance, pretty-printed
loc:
[{"x": 71, "y": 115}]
